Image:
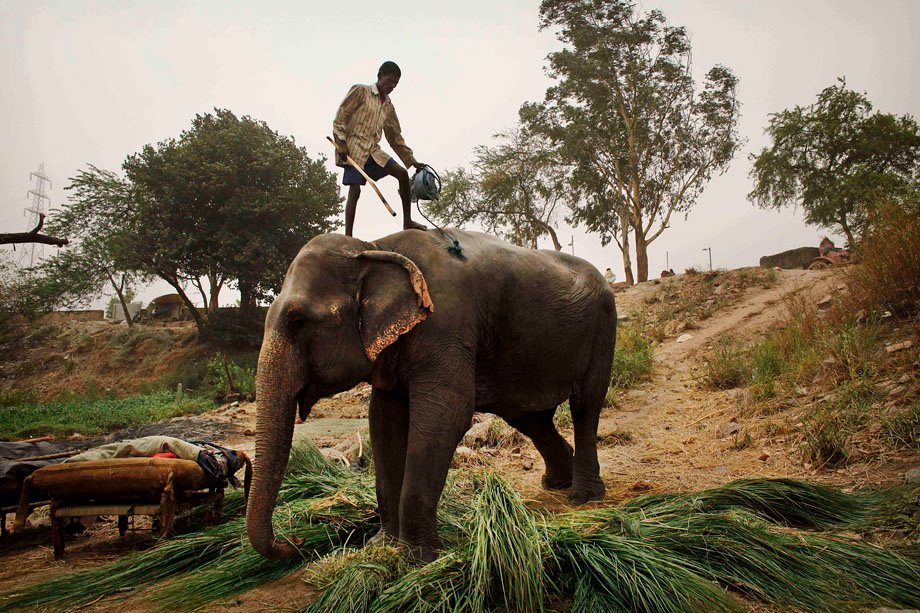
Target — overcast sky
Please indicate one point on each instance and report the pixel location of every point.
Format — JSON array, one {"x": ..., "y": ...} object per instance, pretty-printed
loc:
[{"x": 92, "y": 82}]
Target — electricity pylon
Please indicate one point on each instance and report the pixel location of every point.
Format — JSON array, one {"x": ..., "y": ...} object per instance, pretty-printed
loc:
[{"x": 35, "y": 251}]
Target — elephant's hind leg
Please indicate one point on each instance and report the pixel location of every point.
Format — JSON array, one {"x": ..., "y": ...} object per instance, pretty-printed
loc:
[
  {"x": 389, "y": 424},
  {"x": 586, "y": 409},
  {"x": 556, "y": 452}
]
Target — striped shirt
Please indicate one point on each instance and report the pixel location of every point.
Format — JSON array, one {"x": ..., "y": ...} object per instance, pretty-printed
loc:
[{"x": 360, "y": 121}]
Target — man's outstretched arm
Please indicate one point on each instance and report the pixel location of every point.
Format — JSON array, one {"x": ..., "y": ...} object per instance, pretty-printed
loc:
[{"x": 393, "y": 132}]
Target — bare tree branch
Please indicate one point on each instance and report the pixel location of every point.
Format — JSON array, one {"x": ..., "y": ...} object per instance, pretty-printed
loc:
[{"x": 32, "y": 236}]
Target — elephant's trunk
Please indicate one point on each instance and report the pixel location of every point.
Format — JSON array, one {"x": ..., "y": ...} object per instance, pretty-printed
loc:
[{"x": 278, "y": 380}]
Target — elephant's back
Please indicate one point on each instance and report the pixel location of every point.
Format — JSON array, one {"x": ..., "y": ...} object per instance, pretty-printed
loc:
[{"x": 475, "y": 266}]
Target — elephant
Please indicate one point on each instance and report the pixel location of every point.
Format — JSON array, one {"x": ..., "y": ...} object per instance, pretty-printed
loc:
[{"x": 439, "y": 334}]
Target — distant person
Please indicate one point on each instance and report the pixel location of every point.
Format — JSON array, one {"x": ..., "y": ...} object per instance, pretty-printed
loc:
[
  {"x": 610, "y": 275},
  {"x": 364, "y": 115}
]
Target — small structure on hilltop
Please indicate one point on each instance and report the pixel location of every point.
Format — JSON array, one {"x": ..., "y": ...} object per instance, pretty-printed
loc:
[
  {"x": 168, "y": 306},
  {"x": 794, "y": 258},
  {"x": 118, "y": 313}
]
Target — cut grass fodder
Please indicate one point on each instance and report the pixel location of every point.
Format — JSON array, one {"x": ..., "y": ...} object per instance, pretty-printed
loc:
[{"x": 778, "y": 541}]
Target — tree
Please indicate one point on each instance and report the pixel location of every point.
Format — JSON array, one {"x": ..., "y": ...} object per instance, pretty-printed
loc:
[
  {"x": 514, "y": 190},
  {"x": 626, "y": 112},
  {"x": 230, "y": 200},
  {"x": 837, "y": 159},
  {"x": 95, "y": 218}
]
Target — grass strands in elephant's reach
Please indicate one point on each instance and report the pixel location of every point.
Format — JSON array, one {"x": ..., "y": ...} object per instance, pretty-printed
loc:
[{"x": 778, "y": 541}]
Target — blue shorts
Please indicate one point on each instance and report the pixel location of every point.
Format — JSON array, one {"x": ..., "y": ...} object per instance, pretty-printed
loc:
[{"x": 374, "y": 170}]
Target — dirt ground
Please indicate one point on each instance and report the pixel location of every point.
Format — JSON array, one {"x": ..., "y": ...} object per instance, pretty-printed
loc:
[{"x": 668, "y": 434}]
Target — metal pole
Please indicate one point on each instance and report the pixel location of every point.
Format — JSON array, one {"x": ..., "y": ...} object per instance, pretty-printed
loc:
[
  {"x": 572, "y": 244},
  {"x": 667, "y": 261},
  {"x": 709, "y": 249}
]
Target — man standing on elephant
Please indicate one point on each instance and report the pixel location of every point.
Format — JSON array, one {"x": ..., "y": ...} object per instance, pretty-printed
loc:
[{"x": 364, "y": 115}]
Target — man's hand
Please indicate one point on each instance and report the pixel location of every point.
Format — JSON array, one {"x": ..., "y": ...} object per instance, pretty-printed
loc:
[
  {"x": 419, "y": 165},
  {"x": 342, "y": 148}
]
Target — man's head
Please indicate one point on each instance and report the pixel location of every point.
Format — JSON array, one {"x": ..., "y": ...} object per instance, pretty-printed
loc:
[{"x": 388, "y": 77}]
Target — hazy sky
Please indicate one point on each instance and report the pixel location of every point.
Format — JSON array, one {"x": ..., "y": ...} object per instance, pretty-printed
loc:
[{"x": 92, "y": 82}]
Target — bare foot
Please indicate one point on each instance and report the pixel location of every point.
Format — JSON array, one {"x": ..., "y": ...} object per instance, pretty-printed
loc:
[{"x": 412, "y": 225}]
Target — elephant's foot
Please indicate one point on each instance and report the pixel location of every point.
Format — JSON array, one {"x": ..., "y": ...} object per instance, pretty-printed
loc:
[
  {"x": 381, "y": 539},
  {"x": 557, "y": 481},
  {"x": 582, "y": 492},
  {"x": 424, "y": 553}
]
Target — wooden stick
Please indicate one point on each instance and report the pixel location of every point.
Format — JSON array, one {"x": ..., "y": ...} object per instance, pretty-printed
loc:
[
  {"x": 364, "y": 174},
  {"x": 47, "y": 457},
  {"x": 37, "y": 440}
]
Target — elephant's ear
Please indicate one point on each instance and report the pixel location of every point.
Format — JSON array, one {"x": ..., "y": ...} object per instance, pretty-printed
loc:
[{"x": 392, "y": 299}]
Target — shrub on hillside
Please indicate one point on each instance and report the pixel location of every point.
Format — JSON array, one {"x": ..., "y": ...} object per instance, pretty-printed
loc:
[
  {"x": 726, "y": 367},
  {"x": 888, "y": 274},
  {"x": 242, "y": 372}
]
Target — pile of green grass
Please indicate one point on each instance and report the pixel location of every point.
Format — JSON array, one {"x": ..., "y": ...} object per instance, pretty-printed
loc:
[
  {"x": 94, "y": 415},
  {"x": 777, "y": 541}
]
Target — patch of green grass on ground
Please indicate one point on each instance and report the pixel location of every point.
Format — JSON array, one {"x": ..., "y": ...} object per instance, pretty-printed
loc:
[
  {"x": 94, "y": 415},
  {"x": 632, "y": 360}
]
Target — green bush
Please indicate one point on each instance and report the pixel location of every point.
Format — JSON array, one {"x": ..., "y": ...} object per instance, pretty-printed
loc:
[
  {"x": 193, "y": 375},
  {"x": 632, "y": 360},
  {"x": 887, "y": 276},
  {"x": 242, "y": 372}
]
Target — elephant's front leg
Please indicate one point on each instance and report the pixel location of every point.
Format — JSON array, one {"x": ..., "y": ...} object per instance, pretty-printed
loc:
[
  {"x": 438, "y": 417},
  {"x": 389, "y": 424}
]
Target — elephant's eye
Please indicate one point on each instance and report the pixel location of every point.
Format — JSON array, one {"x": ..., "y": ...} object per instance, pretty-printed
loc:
[{"x": 297, "y": 322}]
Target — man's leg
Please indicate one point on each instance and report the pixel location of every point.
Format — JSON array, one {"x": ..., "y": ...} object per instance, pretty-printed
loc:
[
  {"x": 351, "y": 203},
  {"x": 395, "y": 170}
]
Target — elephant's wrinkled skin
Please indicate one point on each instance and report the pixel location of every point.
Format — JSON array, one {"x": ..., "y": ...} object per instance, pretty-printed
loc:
[{"x": 502, "y": 330}]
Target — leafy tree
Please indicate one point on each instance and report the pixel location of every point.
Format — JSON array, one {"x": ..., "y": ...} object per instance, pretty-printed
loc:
[
  {"x": 626, "y": 112},
  {"x": 230, "y": 200},
  {"x": 95, "y": 217},
  {"x": 837, "y": 159},
  {"x": 514, "y": 190}
]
